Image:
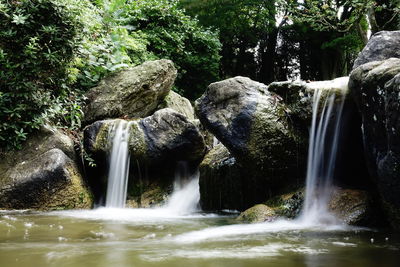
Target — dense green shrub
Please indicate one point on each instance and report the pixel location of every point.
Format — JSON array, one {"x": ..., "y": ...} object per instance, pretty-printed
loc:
[
  {"x": 167, "y": 32},
  {"x": 37, "y": 43}
]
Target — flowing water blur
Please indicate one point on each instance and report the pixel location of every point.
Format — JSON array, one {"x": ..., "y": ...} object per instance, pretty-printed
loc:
[
  {"x": 119, "y": 165},
  {"x": 322, "y": 152},
  {"x": 130, "y": 237}
]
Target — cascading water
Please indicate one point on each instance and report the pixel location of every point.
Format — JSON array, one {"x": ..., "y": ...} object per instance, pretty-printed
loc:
[
  {"x": 186, "y": 195},
  {"x": 119, "y": 165},
  {"x": 322, "y": 155}
]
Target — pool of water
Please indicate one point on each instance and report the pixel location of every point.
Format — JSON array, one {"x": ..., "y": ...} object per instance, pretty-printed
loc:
[{"x": 140, "y": 237}]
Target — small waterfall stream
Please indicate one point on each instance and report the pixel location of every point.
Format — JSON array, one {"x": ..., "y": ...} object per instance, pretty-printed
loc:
[
  {"x": 119, "y": 165},
  {"x": 322, "y": 156},
  {"x": 186, "y": 195}
]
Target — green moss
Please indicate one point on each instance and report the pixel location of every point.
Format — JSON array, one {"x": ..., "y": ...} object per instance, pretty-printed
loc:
[
  {"x": 287, "y": 205},
  {"x": 101, "y": 142},
  {"x": 257, "y": 213},
  {"x": 137, "y": 142}
]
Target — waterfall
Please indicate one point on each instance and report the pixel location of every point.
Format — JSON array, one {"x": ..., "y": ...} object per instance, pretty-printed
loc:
[
  {"x": 119, "y": 165},
  {"x": 322, "y": 156},
  {"x": 186, "y": 195}
]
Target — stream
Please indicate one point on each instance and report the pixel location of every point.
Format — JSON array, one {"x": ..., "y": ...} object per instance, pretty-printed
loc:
[{"x": 155, "y": 237}]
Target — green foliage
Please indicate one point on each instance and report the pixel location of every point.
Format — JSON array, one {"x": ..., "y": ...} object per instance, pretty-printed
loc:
[
  {"x": 52, "y": 51},
  {"x": 37, "y": 43},
  {"x": 245, "y": 26},
  {"x": 168, "y": 33}
]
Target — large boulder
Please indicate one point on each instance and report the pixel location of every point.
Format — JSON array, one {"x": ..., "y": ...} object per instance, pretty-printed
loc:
[
  {"x": 254, "y": 125},
  {"x": 166, "y": 135},
  {"x": 133, "y": 93},
  {"x": 375, "y": 87},
  {"x": 156, "y": 144},
  {"x": 43, "y": 175},
  {"x": 382, "y": 45}
]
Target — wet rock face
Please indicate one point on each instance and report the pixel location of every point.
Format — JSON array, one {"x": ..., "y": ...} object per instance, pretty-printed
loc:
[
  {"x": 43, "y": 175},
  {"x": 375, "y": 87},
  {"x": 352, "y": 207},
  {"x": 134, "y": 93},
  {"x": 156, "y": 144},
  {"x": 253, "y": 125},
  {"x": 222, "y": 182},
  {"x": 382, "y": 45}
]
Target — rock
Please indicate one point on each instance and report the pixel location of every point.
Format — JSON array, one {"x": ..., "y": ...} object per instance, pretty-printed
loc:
[
  {"x": 287, "y": 205},
  {"x": 166, "y": 135},
  {"x": 148, "y": 195},
  {"x": 221, "y": 182},
  {"x": 169, "y": 134},
  {"x": 253, "y": 124},
  {"x": 133, "y": 93},
  {"x": 179, "y": 104},
  {"x": 43, "y": 175},
  {"x": 156, "y": 144},
  {"x": 351, "y": 206},
  {"x": 382, "y": 45},
  {"x": 375, "y": 87},
  {"x": 258, "y": 213}
]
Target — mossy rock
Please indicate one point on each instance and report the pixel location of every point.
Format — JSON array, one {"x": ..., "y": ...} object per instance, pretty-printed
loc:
[
  {"x": 258, "y": 213},
  {"x": 43, "y": 175},
  {"x": 179, "y": 104},
  {"x": 132, "y": 93},
  {"x": 287, "y": 205}
]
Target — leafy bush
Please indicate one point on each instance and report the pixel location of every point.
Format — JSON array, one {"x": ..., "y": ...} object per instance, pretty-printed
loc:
[
  {"x": 37, "y": 43},
  {"x": 164, "y": 29}
]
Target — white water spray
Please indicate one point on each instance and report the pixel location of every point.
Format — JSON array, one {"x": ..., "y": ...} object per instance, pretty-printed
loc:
[
  {"x": 119, "y": 165},
  {"x": 186, "y": 195},
  {"x": 322, "y": 156}
]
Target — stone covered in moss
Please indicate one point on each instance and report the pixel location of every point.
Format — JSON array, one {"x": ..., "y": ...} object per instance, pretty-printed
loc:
[
  {"x": 43, "y": 175},
  {"x": 134, "y": 92},
  {"x": 258, "y": 213},
  {"x": 288, "y": 205},
  {"x": 178, "y": 103},
  {"x": 148, "y": 195}
]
